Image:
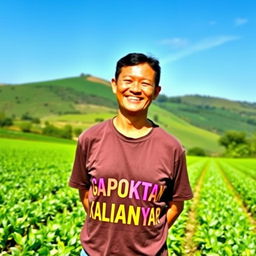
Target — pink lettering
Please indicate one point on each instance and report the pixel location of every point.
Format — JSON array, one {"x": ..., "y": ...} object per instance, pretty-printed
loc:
[
  {"x": 133, "y": 189},
  {"x": 101, "y": 187},
  {"x": 146, "y": 185}
]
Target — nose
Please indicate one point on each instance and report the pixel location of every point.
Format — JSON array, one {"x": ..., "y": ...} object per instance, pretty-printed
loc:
[{"x": 135, "y": 87}]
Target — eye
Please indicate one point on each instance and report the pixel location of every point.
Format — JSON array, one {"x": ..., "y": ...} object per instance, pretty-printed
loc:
[
  {"x": 146, "y": 84},
  {"x": 127, "y": 81}
]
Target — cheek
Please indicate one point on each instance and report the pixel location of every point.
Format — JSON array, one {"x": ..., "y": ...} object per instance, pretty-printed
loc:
[
  {"x": 148, "y": 94},
  {"x": 122, "y": 89}
]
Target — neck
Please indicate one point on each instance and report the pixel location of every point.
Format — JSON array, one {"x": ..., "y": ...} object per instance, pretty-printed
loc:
[{"x": 132, "y": 125}]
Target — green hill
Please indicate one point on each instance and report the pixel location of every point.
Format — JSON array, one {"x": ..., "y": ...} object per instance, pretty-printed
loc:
[
  {"x": 57, "y": 97},
  {"x": 213, "y": 114},
  {"x": 85, "y": 100}
]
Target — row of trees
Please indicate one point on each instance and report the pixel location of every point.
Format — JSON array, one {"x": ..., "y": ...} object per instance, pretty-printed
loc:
[
  {"x": 238, "y": 144},
  {"x": 67, "y": 132},
  {"x": 26, "y": 122}
]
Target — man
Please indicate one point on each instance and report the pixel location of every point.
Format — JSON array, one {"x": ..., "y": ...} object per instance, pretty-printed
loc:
[{"x": 131, "y": 174}]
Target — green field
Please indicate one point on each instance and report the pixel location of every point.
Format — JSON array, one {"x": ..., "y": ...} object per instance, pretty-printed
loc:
[{"x": 41, "y": 215}]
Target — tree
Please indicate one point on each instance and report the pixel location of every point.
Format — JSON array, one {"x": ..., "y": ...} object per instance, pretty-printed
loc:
[
  {"x": 77, "y": 131},
  {"x": 5, "y": 121},
  {"x": 51, "y": 130},
  {"x": 25, "y": 127},
  {"x": 232, "y": 138},
  {"x": 236, "y": 144},
  {"x": 196, "y": 151},
  {"x": 253, "y": 144},
  {"x": 155, "y": 117},
  {"x": 66, "y": 132}
]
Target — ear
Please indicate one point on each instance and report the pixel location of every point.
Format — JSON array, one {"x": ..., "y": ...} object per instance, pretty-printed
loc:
[
  {"x": 156, "y": 92},
  {"x": 113, "y": 85}
]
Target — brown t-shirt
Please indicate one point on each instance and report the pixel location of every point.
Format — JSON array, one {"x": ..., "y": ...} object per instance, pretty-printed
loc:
[{"x": 130, "y": 183}]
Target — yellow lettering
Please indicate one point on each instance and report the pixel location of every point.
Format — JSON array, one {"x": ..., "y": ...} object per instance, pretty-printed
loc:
[
  {"x": 112, "y": 185},
  {"x": 132, "y": 215},
  {"x": 151, "y": 218},
  {"x": 153, "y": 194},
  {"x": 113, "y": 207},
  {"x": 120, "y": 215},
  {"x": 158, "y": 211},
  {"x": 161, "y": 191},
  {"x": 94, "y": 187},
  {"x": 97, "y": 211},
  {"x": 91, "y": 210},
  {"x": 123, "y": 185},
  {"x": 104, "y": 210}
]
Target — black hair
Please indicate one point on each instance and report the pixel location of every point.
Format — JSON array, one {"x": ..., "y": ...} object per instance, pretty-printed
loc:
[{"x": 132, "y": 59}]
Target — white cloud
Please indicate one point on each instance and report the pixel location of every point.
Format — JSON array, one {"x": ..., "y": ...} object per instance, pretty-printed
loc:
[
  {"x": 202, "y": 45},
  {"x": 240, "y": 21},
  {"x": 175, "y": 42}
]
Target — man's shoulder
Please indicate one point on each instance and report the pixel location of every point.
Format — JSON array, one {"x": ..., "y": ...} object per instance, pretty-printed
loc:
[
  {"x": 94, "y": 131},
  {"x": 168, "y": 139}
]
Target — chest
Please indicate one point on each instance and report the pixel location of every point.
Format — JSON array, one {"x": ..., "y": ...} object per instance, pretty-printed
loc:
[{"x": 147, "y": 161}]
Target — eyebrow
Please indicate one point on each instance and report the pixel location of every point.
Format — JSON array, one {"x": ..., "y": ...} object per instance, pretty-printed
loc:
[{"x": 131, "y": 76}]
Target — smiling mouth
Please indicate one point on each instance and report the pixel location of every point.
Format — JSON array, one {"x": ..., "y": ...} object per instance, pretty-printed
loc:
[{"x": 134, "y": 99}]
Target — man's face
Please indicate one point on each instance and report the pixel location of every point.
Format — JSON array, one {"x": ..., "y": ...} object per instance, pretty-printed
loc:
[{"x": 135, "y": 88}]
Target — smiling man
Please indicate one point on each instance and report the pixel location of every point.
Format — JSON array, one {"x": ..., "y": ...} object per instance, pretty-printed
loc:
[{"x": 131, "y": 174}]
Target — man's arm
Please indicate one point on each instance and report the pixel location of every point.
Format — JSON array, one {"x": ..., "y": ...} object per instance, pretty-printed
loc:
[
  {"x": 175, "y": 209},
  {"x": 84, "y": 199}
]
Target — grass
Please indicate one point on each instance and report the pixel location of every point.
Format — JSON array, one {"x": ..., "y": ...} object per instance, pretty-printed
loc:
[
  {"x": 61, "y": 96},
  {"x": 31, "y": 137},
  {"x": 216, "y": 119},
  {"x": 189, "y": 135}
]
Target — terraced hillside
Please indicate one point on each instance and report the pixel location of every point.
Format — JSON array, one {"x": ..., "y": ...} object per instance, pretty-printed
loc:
[{"x": 213, "y": 114}]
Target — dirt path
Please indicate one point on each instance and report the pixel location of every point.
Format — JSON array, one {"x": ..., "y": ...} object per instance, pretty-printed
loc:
[
  {"x": 237, "y": 198},
  {"x": 189, "y": 246}
]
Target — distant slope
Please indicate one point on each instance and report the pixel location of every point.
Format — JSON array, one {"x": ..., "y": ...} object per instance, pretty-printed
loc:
[
  {"x": 213, "y": 114},
  {"x": 85, "y": 100},
  {"x": 56, "y": 97},
  {"x": 189, "y": 135}
]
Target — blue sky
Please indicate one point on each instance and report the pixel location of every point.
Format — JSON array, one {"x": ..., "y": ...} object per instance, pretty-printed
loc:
[{"x": 205, "y": 47}]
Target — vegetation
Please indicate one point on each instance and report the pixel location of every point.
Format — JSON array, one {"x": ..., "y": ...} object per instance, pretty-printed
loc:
[
  {"x": 82, "y": 101},
  {"x": 213, "y": 114},
  {"x": 25, "y": 126},
  {"x": 191, "y": 136},
  {"x": 41, "y": 215},
  {"x": 5, "y": 121},
  {"x": 65, "y": 132},
  {"x": 4, "y": 133},
  {"x": 237, "y": 144},
  {"x": 56, "y": 97},
  {"x": 196, "y": 151}
]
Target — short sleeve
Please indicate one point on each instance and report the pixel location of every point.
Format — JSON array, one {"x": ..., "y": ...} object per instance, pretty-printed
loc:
[
  {"x": 181, "y": 187},
  {"x": 80, "y": 178}
]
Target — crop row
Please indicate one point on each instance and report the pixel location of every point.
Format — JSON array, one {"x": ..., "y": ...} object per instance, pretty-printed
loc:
[
  {"x": 247, "y": 166},
  {"x": 177, "y": 232},
  {"x": 243, "y": 184},
  {"x": 39, "y": 213},
  {"x": 223, "y": 228}
]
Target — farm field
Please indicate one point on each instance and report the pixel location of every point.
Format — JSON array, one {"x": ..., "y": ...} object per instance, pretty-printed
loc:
[{"x": 41, "y": 215}]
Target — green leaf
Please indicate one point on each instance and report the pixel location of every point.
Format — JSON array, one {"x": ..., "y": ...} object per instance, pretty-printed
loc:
[{"x": 18, "y": 238}]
